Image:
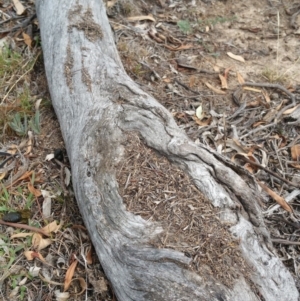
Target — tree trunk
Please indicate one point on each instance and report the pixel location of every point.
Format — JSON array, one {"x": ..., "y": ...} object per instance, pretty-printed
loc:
[{"x": 97, "y": 105}]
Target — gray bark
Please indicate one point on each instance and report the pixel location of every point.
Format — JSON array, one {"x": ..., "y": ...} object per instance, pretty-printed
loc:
[{"x": 86, "y": 80}]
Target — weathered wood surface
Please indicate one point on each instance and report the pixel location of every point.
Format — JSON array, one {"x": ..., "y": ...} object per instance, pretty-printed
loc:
[{"x": 96, "y": 102}]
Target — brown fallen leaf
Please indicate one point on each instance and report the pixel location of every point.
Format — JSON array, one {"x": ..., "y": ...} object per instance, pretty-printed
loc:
[
  {"x": 36, "y": 192},
  {"x": 26, "y": 175},
  {"x": 203, "y": 122},
  {"x": 251, "y": 89},
  {"x": 141, "y": 18},
  {"x": 236, "y": 57},
  {"x": 258, "y": 123},
  {"x": 226, "y": 72},
  {"x": 110, "y": 4},
  {"x": 297, "y": 166},
  {"x": 253, "y": 104},
  {"x": 52, "y": 227},
  {"x": 291, "y": 110},
  {"x": 250, "y": 167},
  {"x": 218, "y": 91},
  {"x": 223, "y": 82},
  {"x": 27, "y": 39},
  {"x": 236, "y": 145},
  {"x": 30, "y": 255},
  {"x": 266, "y": 96},
  {"x": 181, "y": 47},
  {"x": 240, "y": 78},
  {"x": 21, "y": 235},
  {"x": 2, "y": 175},
  {"x": 295, "y": 152},
  {"x": 40, "y": 243},
  {"x": 89, "y": 257},
  {"x": 280, "y": 200},
  {"x": 20, "y": 9},
  {"x": 70, "y": 274}
]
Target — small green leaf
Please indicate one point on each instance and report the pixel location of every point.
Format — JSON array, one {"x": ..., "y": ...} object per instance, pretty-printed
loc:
[
  {"x": 185, "y": 26},
  {"x": 34, "y": 123}
]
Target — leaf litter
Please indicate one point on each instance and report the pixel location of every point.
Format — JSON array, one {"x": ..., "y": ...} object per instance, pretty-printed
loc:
[{"x": 178, "y": 52}]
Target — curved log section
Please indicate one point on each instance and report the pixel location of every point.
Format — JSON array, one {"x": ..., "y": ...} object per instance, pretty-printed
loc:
[{"x": 97, "y": 105}]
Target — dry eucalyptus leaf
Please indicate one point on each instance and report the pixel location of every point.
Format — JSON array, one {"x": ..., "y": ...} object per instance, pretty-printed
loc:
[
  {"x": 291, "y": 110},
  {"x": 67, "y": 177},
  {"x": 240, "y": 78},
  {"x": 27, "y": 39},
  {"x": 20, "y": 9},
  {"x": 36, "y": 192},
  {"x": 236, "y": 57},
  {"x": 223, "y": 80},
  {"x": 199, "y": 112},
  {"x": 49, "y": 157},
  {"x": 218, "y": 91},
  {"x": 252, "y": 89},
  {"x": 70, "y": 274},
  {"x": 89, "y": 258},
  {"x": 46, "y": 207},
  {"x": 141, "y": 18},
  {"x": 21, "y": 235},
  {"x": 295, "y": 152},
  {"x": 280, "y": 200},
  {"x": 30, "y": 255},
  {"x": 39, "y": 242},
  {"x": 15, "y": 292},
  {"x": 61, "y": 296},
  {"x": 52, "y": 227},
  {"x": 111, "y": 3}
]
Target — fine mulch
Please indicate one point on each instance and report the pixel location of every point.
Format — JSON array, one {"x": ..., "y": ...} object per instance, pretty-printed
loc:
[{"x": 161, "y": 192}]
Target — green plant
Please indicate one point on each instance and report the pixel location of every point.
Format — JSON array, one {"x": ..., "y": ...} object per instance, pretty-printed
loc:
[
  {"x": 4, "y": 196},
  {"x": 23, "y": 290},
  {"x": 34, "y": 123},
  {"x": 29, "y": 201},
  {"x": 9, "y": 61},
  {"x": 137, "y": 70},
  {"x": 184, "y": 26},
  {"x": 21, "y": 125},
  {"x": 25, "y": 100}
]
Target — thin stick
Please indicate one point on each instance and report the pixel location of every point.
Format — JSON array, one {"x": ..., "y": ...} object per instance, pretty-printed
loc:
[
  {"x": 274, "y": 86},
  {"x": 270, "y": 172},
  {"x": 285, "y": 242},
  {"x": 23, "y": 226}
]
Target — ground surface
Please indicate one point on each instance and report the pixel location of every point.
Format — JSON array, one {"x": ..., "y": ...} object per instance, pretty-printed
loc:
[{"x": 193, "y": 56}]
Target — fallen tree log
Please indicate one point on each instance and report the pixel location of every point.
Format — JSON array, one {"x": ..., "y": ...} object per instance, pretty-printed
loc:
[{"x": 99, "y": 107}]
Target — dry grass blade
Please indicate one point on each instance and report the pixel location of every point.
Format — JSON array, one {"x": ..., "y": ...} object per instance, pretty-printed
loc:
[{"x": 20, "y": 78}]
